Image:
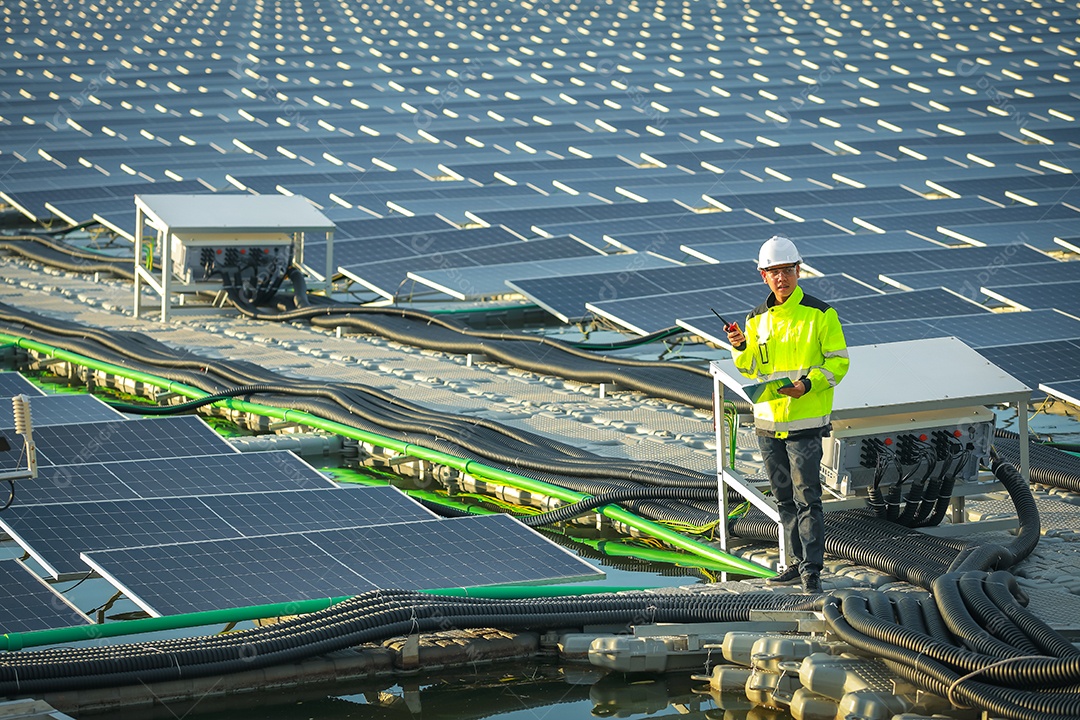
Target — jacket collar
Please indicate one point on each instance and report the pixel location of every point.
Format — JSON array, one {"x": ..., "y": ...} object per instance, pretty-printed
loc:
[{"x": 793, "y": 300}]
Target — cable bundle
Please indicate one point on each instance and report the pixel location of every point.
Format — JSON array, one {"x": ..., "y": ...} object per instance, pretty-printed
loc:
[{"x": 974, "y": 644}]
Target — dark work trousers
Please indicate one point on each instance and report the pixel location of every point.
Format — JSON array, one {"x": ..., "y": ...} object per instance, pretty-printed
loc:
[{"x": 794, "y": 469}]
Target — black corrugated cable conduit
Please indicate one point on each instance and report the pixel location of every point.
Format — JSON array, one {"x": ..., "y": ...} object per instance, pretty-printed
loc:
[
  {"x": 573, "y": 510},
  {"x": 44, "y": 253},
  {"x": 1048, "y": 466},
  {"x": 860, "y": 536},
  {"x": 373, "y": 616},
  {"x": 681, "y": 383},
  {"x": 930, "y": 663},
  {"x": 379, "y": 412},
  {"x": 998, "y": 557}
]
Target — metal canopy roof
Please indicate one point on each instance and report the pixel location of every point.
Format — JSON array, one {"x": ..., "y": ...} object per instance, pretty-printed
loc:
[
  {"x": 196, "y": 214},
  {"x": 910, "y": 376}
]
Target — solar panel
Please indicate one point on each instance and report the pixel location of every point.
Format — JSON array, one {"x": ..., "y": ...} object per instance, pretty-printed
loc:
[
  {"x": 1055, "y": 360},
  {"x": 932, "y": 303},
  {"x": 12, "y": 384},
  {"x": 28, "y": 603},
  {"x": 978, "y": 331},
  {"x": 254, "y": 514},
  {"x": 565, "y": 297},
  {"x": 1067, "y": 390},
  {"x": 388, "y": 278},
  {"x": 461, "y": 552},
  {"x": 55, "y": 534},
  {"x": 65, "y": 410},
  {"x": 171, "y": 477},
  {"x": 176, "y": 579},
  {"x": 1064, "y": 296},
  {"x": 365, "y": 250},
  {"x": 211, "y": 474},
  {"x": 118, "y": 440},
  {"x": 811, "y": 246},
  {"x": 867, "y": 266},
  {"x": 489, "y": 280},
  {"x": 651, "y": 313},
  {"x": 968, "y": 282}
]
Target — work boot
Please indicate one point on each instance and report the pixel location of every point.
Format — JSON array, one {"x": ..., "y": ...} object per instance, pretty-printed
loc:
[
  {"x": 788, "y": 577},
  {"x": 811, "y": 583}
]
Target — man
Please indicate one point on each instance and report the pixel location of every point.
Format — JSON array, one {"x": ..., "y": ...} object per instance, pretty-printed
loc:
[{"x": 795, "y": 336}]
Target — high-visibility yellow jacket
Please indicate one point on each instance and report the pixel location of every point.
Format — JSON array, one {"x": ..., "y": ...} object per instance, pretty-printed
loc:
[{"x": 800, "y": 338}]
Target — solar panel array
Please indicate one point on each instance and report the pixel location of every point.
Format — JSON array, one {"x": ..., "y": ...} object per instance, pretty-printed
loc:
[
  {"x": 460, "y": 552},
  {"x": 28, "y": 604},
  {"x": 55, "y": 534},
  {"x": 12, "y": 384},
  {"x": 61, "y": 409},
  {"x": 626, "y": 127},
  {"x": 156, "y": 488},
  {"x": 651, "y": 313}
]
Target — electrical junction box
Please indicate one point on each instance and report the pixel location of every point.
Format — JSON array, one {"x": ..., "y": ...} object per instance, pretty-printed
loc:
[
  {"x": 900, "y": 403},
  {"x": 188, "y": 244},
  {"x": 954, "y": 440},
  {"x": 203, "y": 259}
]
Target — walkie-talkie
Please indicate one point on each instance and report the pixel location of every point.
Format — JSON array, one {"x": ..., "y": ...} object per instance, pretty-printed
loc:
[{"x": 727, "y": 325}]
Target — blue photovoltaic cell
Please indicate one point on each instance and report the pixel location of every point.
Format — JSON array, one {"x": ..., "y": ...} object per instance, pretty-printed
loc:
[
  {"x": 64, "y": 410},
  {"x": 12, "y": 384},
  {"x": 55, "y": 534},
  {"x": 976, "y": 330},
  {"x": 28, "y": 604},
  {"x": 1056, "y": 360},
  {"x": 119, "y": 440},
  {"x": 172, "y": 477},
  {"x": 967, "y": 283},
  {"x": 1064, "y": 296},
  {"x": 460, "y": 552},
  {"x": 1067, "y": 390}
]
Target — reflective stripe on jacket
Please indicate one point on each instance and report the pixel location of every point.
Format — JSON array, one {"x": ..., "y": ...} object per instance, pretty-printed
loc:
[{"x": 801, "y": 337}]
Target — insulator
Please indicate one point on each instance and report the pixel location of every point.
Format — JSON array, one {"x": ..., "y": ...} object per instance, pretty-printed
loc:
[{"x": 20, "y": 406}]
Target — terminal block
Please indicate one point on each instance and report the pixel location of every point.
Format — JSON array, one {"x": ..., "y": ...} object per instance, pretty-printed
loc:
[{"x": 856, "y": 449}]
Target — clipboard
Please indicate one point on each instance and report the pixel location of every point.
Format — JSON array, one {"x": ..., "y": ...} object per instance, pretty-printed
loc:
[{"x": 765, "y": 391}]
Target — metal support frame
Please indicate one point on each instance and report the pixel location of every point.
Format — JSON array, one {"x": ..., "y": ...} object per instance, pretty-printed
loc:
[
  {"x": 940, "y": 372},
  {"x": 728, "y": 477},
  {"x": 200, "y": 219}
]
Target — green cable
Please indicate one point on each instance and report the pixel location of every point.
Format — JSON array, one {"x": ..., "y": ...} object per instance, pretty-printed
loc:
[{"x": 467, "y": 467}]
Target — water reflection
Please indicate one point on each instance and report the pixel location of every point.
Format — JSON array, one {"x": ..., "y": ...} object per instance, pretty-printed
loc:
[{"x": 530, "y": 690}]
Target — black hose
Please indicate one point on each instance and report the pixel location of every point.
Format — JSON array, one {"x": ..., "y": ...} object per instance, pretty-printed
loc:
[
  {"x": 1002, "y": 589},
  {"x": 376, "y": 411},
  {"x": 80, "y": 263},
  {"x": 369, "y": 617},
  {"x": 573, "y": 510},
  {"x": 1047, "y": 465},
  {"x": 191, "y": 404},
  {"x": 930, "y": 663}
]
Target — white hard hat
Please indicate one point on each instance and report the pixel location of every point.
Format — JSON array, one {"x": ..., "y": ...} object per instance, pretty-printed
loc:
[{"x": 777, "y": 250}]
